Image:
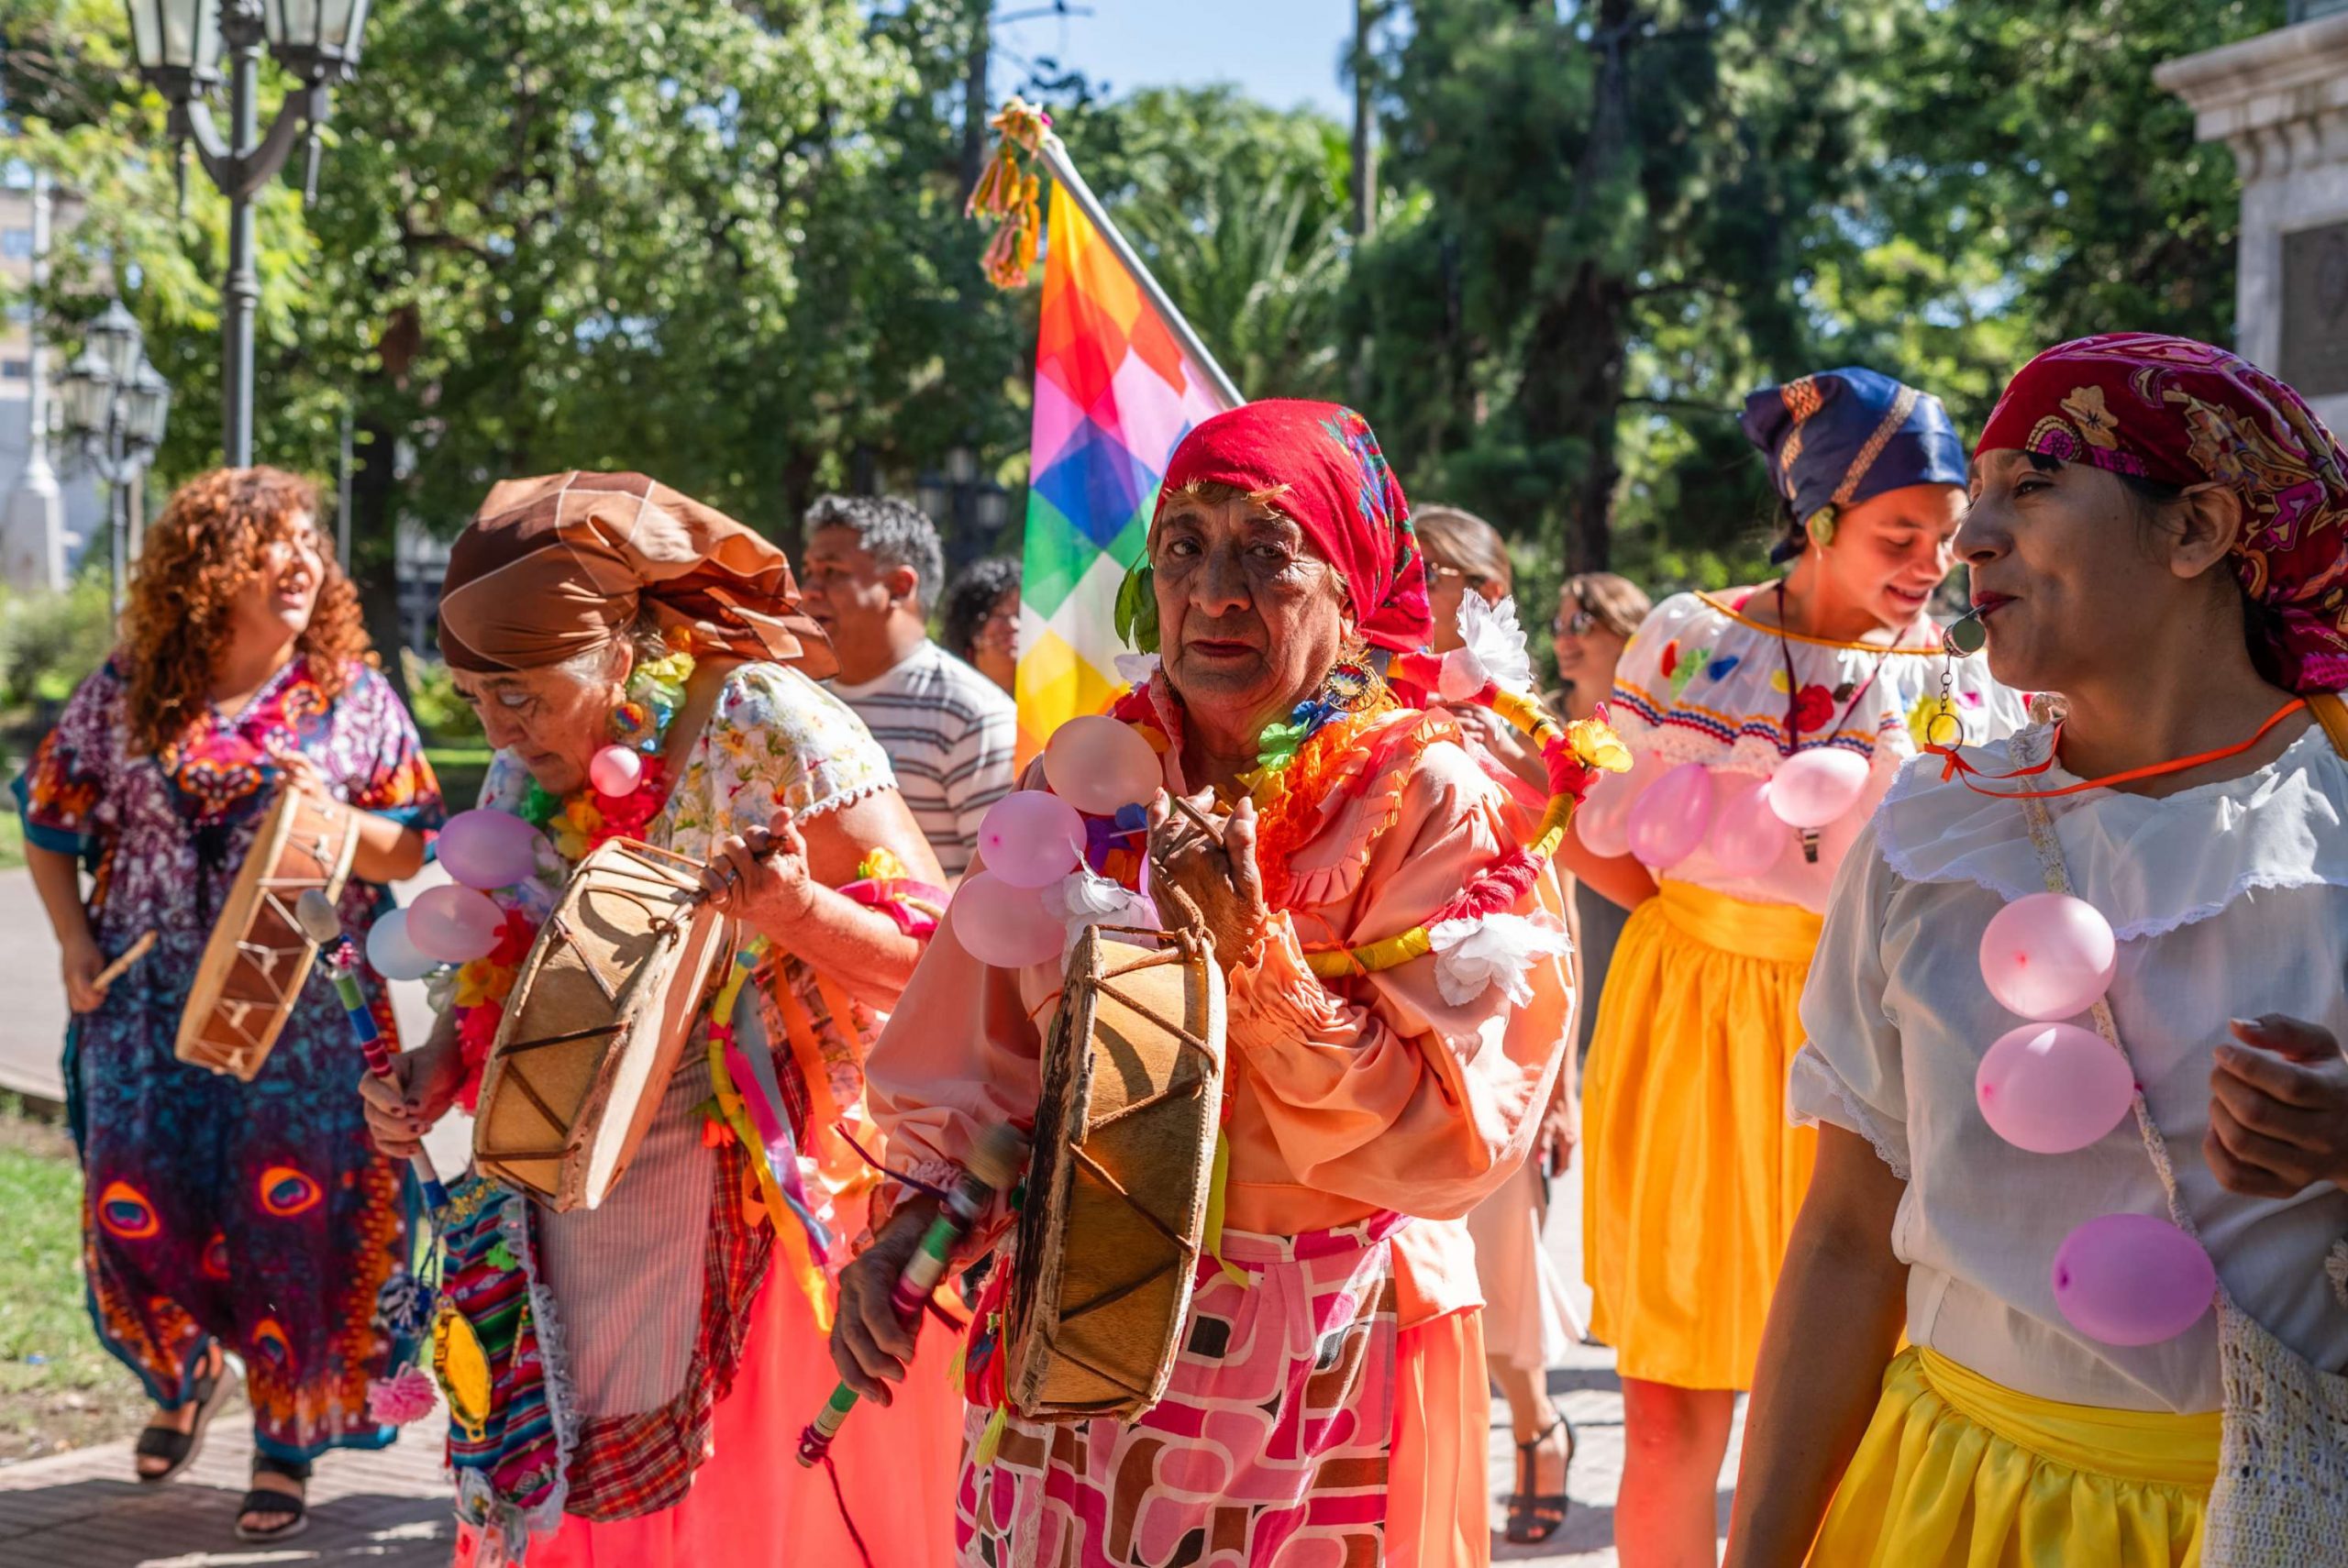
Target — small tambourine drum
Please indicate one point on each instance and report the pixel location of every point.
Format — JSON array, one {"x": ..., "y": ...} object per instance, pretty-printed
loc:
[
  {"x": 1117, "y": 1199},
  {"x": 595, "y": 1024},
  {"x": 259, "y": 955}
]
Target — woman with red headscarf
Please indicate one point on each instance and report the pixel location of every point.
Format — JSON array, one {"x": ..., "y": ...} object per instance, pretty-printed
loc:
[
  {"x": 2106, "y": 1239},
  {"x": 1330, "y": 1387}
]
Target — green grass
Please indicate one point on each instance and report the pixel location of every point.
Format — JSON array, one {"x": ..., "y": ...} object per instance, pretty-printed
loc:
[
  {"x": 57, "y": 1386},
  {"x": 11, "y": 836}
]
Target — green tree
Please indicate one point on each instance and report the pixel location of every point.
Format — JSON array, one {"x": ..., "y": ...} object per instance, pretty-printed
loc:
[
  {"x": 718, "y": 243},
  {"x": 1605, "y": 207}
]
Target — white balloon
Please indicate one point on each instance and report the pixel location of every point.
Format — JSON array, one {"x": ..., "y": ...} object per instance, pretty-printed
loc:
[{"x": 393, "y": 955}]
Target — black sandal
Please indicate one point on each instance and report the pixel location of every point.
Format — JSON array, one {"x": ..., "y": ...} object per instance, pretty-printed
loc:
[
  {"x": 1535, "y": 1516},
  {"x": 293, "y": 1505},
  {"x": 209, "y": 1391}
]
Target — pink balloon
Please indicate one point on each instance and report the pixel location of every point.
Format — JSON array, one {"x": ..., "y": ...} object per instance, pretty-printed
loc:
[
  {"x": 1006, "y": 926},
  {"x": 2052, "y": 1087},
  {"x": 455, "y": 925},
  {"x": 1602, "y": 820},
  {"x": 1097, "y": 765},
  {"x": 1671, "y": 816},
  {"x": 1031, "y": 838},
  {"x": 2129, "y": 1279},
  {"x": 1813, "y": 788},
  {"x": 2048, "y": 956},
  {"x": 488, "y": 848},
  {"x": 615, "y": 771},
  {"x": 1747, "y": 836}
]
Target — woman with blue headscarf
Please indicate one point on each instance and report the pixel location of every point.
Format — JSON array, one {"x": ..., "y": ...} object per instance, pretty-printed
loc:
[{"x": 1767, "y": 723}]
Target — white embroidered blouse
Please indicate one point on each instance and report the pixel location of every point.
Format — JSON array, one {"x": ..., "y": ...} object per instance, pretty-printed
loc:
[
  {"x": 2230, "y": 900},
  {"x": 1701, "y": 682}
]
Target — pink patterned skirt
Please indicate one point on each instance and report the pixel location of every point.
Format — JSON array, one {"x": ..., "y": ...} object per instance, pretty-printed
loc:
[{"x": 1273, "y": 1446}]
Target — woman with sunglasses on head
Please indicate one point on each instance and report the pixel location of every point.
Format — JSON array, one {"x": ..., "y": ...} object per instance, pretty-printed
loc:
[
  {"x": 1528, "y": 1323},
  {"x": 1767, "y": 723},
  {"x": 2157, "y": 533},
  {"x": 1598, "y": 614}
]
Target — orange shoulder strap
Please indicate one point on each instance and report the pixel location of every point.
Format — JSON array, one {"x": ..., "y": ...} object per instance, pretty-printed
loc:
[{"x": 2333, "y": 715}]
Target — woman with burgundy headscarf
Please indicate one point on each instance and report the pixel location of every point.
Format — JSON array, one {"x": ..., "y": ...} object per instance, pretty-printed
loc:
[
  {"x": 2157, "y": 532},
  {"x": 1330, "y": 1387},
  {"x": 582, "y": 611}
]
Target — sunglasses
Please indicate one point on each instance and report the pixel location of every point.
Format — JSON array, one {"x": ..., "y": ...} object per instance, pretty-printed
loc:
[{"x": 1575, "y": 625}]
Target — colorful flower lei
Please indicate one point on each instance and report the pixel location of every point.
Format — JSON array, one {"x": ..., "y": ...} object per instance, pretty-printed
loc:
[
  {"x": 576, "y": 824},
  {"x": 1319, "y": 753}
]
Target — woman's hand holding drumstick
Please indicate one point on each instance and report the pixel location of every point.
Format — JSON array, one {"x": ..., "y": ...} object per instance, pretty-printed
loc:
[{"x": 1214, "y": 865}]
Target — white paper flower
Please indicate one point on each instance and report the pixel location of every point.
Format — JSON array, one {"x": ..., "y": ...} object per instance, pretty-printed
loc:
[
  {"x": 1081, "y": 899},
  {"x": 1135, "y": 668},
  {"x": 1471, "y": 954},
  {"x": 1495, "y": 653}
]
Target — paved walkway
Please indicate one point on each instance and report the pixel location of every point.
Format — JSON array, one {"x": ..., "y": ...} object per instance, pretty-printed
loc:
[{"x": 389, "y": 1509}]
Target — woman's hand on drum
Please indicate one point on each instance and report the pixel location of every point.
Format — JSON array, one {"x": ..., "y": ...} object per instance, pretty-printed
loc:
[
  {"x": 82, "y": 963},
  {"x": 869, "y": 1345},
  {"x": 423, "y": 1086},
  {"x": 301, "y": 773},
  {"x": 2278, "y": 1109},
  {"x": 1218, "y": 873},
  {"x": 761, "y": 878}
]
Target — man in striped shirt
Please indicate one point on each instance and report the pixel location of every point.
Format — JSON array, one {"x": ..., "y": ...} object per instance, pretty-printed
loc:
[{"x": 873, "y": 567}]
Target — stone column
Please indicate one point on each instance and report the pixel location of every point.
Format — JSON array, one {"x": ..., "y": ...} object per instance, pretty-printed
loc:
[
  {"x": 34, "y": 524},
  {"x": 2279, "y": 102}
]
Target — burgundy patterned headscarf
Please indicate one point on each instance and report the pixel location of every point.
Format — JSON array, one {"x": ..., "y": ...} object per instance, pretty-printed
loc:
[
  {"x": 2185, "y": 413},
  {"x": 1322, "y": 465}
]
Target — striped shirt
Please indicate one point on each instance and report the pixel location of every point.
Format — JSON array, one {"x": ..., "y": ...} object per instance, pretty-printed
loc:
[{"x": 951, "y": 734}]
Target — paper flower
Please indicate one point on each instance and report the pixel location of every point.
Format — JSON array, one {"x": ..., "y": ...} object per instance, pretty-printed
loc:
[{"x": 1472, "y": 956}]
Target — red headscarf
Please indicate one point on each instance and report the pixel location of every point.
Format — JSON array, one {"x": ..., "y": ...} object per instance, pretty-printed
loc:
[
  {"x": 1320, "y": 466},
  {"x": 2185, "y": 413}
]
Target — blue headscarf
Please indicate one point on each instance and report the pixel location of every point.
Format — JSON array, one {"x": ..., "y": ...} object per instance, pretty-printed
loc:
[{"x": 1837, "y": 437}]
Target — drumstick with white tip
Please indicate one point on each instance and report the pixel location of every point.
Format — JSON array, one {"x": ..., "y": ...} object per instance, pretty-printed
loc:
[
  {"x": 324, "y": 926},
  {"x": 993, "y": 1166}
]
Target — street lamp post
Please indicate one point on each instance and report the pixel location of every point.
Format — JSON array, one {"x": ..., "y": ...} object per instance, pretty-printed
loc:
[
  {"x": 115, "y": 406},
  {"x": 967, "y": 504},
  {"x": 178, "y": 44}
]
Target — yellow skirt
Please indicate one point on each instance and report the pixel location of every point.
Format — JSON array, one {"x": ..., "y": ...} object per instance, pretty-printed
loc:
[
  {"x": 1693, "y": 1175},
  {"x": 1958, "y": 1472}
]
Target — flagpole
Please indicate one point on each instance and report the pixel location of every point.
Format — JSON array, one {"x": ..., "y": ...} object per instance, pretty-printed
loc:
[{"x": 1054, "y": 155}]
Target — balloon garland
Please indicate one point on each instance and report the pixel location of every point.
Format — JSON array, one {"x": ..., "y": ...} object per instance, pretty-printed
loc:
[
  {"x": 1033, "y": 842},
  {"x": 460, "y": 931},
  {"x": 2053, "y": 1087}
]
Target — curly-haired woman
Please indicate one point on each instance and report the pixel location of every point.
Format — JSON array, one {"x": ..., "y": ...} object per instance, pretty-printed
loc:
[
  {"x": 981, "y": 619},
  {"x": 224, "y": 1216}
]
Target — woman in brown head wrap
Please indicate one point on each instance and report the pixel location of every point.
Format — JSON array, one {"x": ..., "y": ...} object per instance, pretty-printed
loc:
[{"x": 641, "y": 666}]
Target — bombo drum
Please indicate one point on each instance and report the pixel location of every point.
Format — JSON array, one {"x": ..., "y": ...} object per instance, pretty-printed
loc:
[
  {"x": 1116, "y": 1201},
  {"x": 603, "y": 1007},
  {"x": 257, "y": 954}
]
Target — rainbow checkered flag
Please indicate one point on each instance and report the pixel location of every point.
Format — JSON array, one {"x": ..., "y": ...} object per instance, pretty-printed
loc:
[{"x": 1120, "y": 379}]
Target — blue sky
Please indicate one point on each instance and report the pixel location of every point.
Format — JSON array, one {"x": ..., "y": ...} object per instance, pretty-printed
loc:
[{"x": 1284, "y": 53}]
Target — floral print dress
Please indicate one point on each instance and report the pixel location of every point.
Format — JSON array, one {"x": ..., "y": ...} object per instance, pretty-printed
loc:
[{"x": 257, "y": 1214}]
